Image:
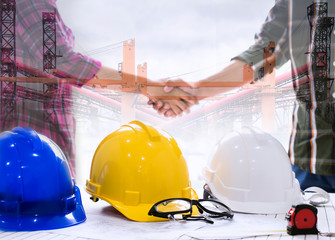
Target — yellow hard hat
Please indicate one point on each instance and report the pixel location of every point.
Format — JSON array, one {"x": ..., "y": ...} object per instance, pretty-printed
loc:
[{"x": 137, "y": 166}]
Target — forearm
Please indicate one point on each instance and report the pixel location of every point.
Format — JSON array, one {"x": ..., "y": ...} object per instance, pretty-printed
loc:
[
  {"x": 108, "y": 73},
  {"x": 106, "y": 78},
  {"x": 231, "y": 77}
]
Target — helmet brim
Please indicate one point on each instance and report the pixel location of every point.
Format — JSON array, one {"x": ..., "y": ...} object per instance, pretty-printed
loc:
[
  {"x": 140, "y": 212},
  {"x": 46, "y": 222}
]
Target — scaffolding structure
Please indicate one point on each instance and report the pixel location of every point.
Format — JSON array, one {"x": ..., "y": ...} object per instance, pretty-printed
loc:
[
  {"x": 321, "y": 27},
  {"x": 49, "y": 61},
  {"x": 8, "y": 60},
  {"x": 49, "y": 41}
]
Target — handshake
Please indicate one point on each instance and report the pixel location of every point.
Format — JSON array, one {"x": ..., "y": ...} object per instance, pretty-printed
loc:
[{"x": 172, "y": 98}]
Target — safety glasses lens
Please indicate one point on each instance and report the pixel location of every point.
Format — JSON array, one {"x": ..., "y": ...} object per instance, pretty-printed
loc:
[
  {"x": 214, "y": 207},
  {"x": 171, "y": 206}
]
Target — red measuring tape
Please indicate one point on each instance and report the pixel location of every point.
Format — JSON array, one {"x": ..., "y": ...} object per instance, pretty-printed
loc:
[{"x": 302, "y": 219}]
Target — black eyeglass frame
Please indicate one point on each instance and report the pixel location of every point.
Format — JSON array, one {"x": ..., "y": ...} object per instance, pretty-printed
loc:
[
  {"x": 225, "y": 215},
  {"x": 208, "y": 193}
]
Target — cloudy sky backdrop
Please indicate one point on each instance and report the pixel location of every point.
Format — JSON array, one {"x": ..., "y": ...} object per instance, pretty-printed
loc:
[{"x": 174, "y": 37}]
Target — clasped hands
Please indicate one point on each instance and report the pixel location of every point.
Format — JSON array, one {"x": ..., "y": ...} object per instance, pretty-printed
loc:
[{"x": 172, "y": 98}]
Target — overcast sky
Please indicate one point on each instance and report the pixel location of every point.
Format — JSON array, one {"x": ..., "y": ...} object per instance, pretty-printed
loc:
[{"x": 173, "y": 36}]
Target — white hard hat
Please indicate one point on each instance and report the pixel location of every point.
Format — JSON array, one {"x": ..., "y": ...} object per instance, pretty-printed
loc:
[{"x": 250, "y": 172}]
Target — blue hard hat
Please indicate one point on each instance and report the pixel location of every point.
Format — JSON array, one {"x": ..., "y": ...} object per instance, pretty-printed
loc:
[{"x": 37, "y": 191}]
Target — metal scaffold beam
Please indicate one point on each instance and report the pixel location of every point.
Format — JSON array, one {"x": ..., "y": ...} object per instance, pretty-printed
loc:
[
  {"x": 8, "y": 60},
  {"x": 49, "y": 41},
  {"x": 321, "y": 27},
  {"x": 49, "y": 61}
]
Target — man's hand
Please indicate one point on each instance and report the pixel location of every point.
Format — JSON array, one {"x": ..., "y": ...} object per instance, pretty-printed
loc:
[{"x": 181, "y": 99}]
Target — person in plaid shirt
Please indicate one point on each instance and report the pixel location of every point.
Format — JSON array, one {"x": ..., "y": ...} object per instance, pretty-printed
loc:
[
  {"x": 54, "y": 118},
  {"x": 50, "y": 115}
]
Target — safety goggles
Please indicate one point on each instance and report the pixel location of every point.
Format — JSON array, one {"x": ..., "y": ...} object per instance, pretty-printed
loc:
[{"x": 182, "y": 209}]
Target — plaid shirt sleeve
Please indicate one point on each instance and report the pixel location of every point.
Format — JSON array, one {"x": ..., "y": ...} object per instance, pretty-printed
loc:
[
  {"x": 29, "y": 27},
  {"x": 73, "y": 64}
]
